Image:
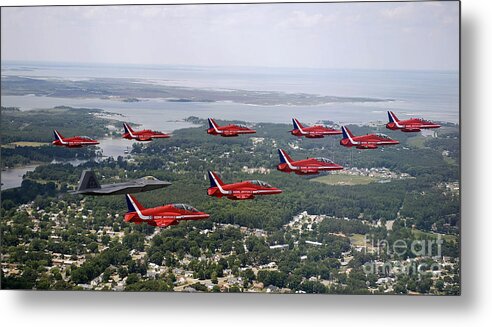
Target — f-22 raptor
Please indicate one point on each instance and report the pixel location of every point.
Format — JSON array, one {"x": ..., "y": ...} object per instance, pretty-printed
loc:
[{"x": 88, "y": 185}]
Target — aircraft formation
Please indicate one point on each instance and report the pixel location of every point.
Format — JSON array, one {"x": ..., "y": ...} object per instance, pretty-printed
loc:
[{"x": 172, "y": 214}]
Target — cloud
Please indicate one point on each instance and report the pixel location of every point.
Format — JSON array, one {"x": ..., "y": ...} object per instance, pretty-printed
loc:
[
  {"x": 301, "y": 19},
  {"x": 353, "y": 35},
  {"x": 398, "y": 12}
]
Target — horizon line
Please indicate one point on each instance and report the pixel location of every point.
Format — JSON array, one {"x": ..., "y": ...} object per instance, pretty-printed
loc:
[{"x": 222, "y": 66}]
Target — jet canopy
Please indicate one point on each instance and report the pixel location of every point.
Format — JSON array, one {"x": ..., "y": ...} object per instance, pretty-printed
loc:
[
  {"x": 86, "y": 137},
  {"x": 182, "y": 206},
  {"x": 325, "y": 160},
  {"x": 260, "y": 183},
  {"x": 383, "y": 136},
  {"x": 149, "y": 178}
]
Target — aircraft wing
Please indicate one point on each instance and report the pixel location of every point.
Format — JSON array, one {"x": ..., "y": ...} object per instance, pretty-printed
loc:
[
  {"x": 411, "y": 128},
  {"x": 230, "y": 133},
  {"x": 243, "y": 196},
  {"x": 314, "y": 135},
  {"x": 243, "y": 193},
  {"x": 367, "y": 146},
  {"x": 309, "y": 170},
  {"x": 145, "y": 137},
  {"x": 119, "y": 189},
  {"x": 123, "y": 188},
  {"x": 111, "y": 190},
  {"x": 165, "y": 222}
]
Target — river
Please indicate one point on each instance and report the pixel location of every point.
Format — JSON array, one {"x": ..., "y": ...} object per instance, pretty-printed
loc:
[{"x": 110, "y": 147}]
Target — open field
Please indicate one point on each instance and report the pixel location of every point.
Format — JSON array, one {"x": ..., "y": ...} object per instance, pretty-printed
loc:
[
  {"x": 417, "y": 141},
  {"x": 336, "y": 179},
  {"x": 449, "y": 160},
  {"x": 357, "y": 240}
]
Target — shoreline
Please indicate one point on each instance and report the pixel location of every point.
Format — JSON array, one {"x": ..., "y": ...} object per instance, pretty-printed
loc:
[{"x": 140, "y": 112}]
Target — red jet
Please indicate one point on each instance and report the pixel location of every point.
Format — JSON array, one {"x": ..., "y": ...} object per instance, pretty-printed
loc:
[
  {"x": 72, "y": 142},
  {"x": 228, "y": 130},
  {"x": 144, "y": 135},
  {"x": 409, "y": 125},
  {"x": 369, "y": 141},
  {"x": 239, "y": 191},
  {"x": 170, "y": 214},
  {"x": 316, "y": 131},
  {"x": 310, "y": 166}
]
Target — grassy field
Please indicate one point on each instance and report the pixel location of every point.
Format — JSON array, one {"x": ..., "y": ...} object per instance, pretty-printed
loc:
[
  {"x": 357, "y": 239},
  {"x": 449, "y": 160},
  {"x": 416, "y": 141},
  {"x": 339, "y": 179}
]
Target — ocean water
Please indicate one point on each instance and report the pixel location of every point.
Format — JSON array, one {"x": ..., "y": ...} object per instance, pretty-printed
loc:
[{"x": 430, "y": 94}]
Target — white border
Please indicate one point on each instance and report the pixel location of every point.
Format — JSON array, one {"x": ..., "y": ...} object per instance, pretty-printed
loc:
[{"x": 20, "y": 308}]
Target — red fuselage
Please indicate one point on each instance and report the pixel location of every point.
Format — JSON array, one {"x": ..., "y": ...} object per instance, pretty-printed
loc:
[
  {"x": 228, "y": 130},
  {"x": 316, "y": 131},
  {"x": 369, "y": 141},
  {"x": 411, "y": 125},
  {"x": 75, "y": 142},
  {"x": 408, "y": 125},
  {"x": 243, "y": 191},
  {"x": 142, "y": 136},
  {"x": 310, "y": 166},
  {"x": 164, "y": 216},
  {"x": 145, "y": 135}
]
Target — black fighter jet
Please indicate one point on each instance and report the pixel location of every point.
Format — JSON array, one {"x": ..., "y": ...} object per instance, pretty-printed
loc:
[{"x": 88, "y": 185}]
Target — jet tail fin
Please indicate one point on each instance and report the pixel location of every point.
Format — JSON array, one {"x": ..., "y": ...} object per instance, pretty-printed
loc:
[
  {"x": 297, "y": 124},
  {"x": 133, "y": 204},
  {"x": 284, "y": 157},
  {"x": 212, "y": 123},
  {"x": 215, "y": 181},
  {"x": 347, "y": 134},
  {"x": 392, "y": 117},
  {"x": 88, "y": 181},
  {"x": 58, "y": 136},
  {"x": 128, "y": 128}
]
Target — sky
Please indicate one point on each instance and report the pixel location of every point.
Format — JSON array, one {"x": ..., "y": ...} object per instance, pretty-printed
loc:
[{"x": 407, "y": 36}]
